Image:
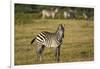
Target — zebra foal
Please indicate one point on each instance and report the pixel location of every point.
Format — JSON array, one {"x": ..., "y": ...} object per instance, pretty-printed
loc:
[{"x": 48, "y": 39}]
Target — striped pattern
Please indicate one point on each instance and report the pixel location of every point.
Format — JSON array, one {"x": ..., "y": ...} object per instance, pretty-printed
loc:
[
  {"x": 47, "y": 39},
  {"x": 50, "y": 39}
]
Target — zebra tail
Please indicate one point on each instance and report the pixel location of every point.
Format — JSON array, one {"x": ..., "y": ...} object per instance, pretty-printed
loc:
[{"x": 33, "y": 40}]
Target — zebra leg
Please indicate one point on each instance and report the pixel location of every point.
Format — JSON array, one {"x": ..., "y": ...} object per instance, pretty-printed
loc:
[
  {"x": 57, "y": 54},
  {"x": 39, "y": 52}
]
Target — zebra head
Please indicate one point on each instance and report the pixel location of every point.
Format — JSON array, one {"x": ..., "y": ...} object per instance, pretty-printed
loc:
[{"x": 60, "y": 32}]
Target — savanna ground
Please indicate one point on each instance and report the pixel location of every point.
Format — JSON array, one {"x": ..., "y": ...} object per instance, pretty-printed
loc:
[{"x": 78, "y": 44}]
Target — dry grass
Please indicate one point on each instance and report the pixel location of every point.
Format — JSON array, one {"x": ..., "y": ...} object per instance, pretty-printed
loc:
[{"x": 78, "y": 44}]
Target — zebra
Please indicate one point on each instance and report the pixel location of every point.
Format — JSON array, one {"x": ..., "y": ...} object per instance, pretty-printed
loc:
[
  {"x": 69, "y": 14},
  {"x": 48, "y": 39},
  {"x": 49, "y": 13},
  {"x": 86, "y": 17},
  {"x": 66, "y": 14}
]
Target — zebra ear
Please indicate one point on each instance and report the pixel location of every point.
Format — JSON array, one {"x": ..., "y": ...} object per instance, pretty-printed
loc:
[{"x": 63, "y": 25}]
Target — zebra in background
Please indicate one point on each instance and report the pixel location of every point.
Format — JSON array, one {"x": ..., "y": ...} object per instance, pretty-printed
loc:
[
  {"x": 48, "y": 39},
  {"x": 66, "y": 14},
  {"x": 49, "y": 13},
  {"x": 69, "y": 14},
  {"x": 86, "y": 17}
]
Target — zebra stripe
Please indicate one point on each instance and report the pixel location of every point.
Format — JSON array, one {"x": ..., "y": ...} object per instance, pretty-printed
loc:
[
  {"x": 39, "y": 38},
  {"x": 42, "y": 37}
]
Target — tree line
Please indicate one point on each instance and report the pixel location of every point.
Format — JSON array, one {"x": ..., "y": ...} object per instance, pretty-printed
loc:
[{"x": 30, "y": 8}]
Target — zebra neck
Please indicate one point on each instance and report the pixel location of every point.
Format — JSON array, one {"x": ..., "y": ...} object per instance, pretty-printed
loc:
[{"x": 58, "y": 36}]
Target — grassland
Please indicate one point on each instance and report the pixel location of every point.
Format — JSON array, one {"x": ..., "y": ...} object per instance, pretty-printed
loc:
[{"x": 78, "y": 44}]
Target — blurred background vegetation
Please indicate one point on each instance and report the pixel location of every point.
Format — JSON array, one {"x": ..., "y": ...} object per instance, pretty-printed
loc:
[{"x": 35, "y": 11}]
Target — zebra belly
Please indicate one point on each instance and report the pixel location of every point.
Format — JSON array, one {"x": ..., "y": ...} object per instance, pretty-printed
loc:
[
  {"x": 54, "y": 44},
  {"x": 51, "y": 43}
]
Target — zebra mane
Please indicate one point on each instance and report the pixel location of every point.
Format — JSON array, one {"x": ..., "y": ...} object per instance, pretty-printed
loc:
[{"x": 60, "y": 29}]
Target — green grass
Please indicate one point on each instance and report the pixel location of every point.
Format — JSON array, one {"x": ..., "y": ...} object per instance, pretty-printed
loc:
[{"x": 78, "y": 44}]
